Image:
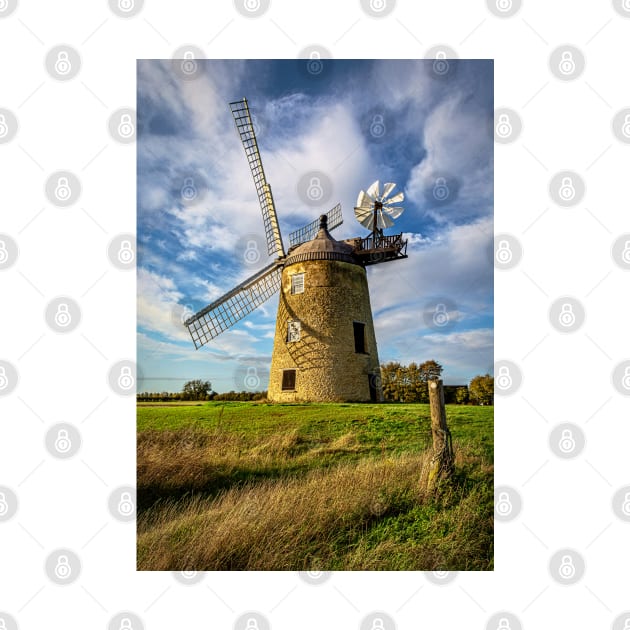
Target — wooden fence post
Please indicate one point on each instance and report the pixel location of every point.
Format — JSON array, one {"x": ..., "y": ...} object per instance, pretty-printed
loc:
[{"x": 442, "y": 464}]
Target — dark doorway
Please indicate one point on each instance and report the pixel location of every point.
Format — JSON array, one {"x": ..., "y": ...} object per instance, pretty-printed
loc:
[
  {"x": 359, "y": 337},
  {"x": 372, "y": 385}
]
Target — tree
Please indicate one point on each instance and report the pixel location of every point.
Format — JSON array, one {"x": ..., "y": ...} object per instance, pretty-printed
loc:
[
  {"x": 482, "y": 389},
  {"x": 461, "y": 395},
  {"x": 196, "y": 390}
]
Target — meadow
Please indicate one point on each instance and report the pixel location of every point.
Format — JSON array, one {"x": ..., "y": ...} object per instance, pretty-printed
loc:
[{"x": 255, "y": 486}]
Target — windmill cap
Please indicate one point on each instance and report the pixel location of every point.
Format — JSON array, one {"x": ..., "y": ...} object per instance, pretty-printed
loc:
[{"x": 322, "y": 247}]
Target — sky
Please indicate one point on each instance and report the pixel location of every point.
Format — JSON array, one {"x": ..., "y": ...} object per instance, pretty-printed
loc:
[{"x": 353, "y": 122}]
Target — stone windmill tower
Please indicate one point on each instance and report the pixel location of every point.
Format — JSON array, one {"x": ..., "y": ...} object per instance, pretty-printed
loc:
[{"x": 324, "y": 346}]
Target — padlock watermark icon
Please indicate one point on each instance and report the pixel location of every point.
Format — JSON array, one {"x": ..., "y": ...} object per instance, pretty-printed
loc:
[
  {"x": 8, "y": 504},
  {"x": 504, "y": 505},
  {"x": 8, "y": 124},
  {"x": 315, "y": 65},
  {"x": 122, "y": 503},
  {"x": 63, "y": 192},
  {"x": 378, "y": 6},
  {"x": 314, "y": 188},
  {"x": 567, "y": 63},
  {"x": 315, "y": 191},
  {"x": 125, "y": 378},
  {"x": 503, "y": 127},
  {"x": 63, "y": 65},
  {"x": 4, "y": 254},
  {"x": 441, "y": 190},
  {"x": 63, "y": 188},
  {"x": 62, "y": 316},
  {"x": 440, "y": 317},
  {"x": 567, "y": 189},
  {"x": 63, "y": 570},
  {"x": 621, "y": 377},
  {"x": 377, "y": 126},
  {"x": 252, "y": 621},
  {"x": 378, "y": 624},
  {"x": 377, "y": 620},
  {"x": 125, "y": 621},
  {"x": 252, "y": 380},
  {"x": 8, "y": 378},
  {"x": 126, "y": 5},
  {"x": 63, "y": 443},
  {"x": 566, "y": 566},
  {"x": 567, "y": 316},
  {"x": 251, "y": 5},
  {"x": 125, "y": 253},
  {"x": 189, "y": 65},
  {"x": 125, "y": 505},
  {"x": 62, "y": 62},
  {"x": 567, "y": 440},
  {"x": 126, "y": 127},
  {"x": 504, "y": 5},
  {"x": 504, "y": 253},
  {"x": 504, "y": 380},
  {"x": 189, "y": 190},
  {"x": 440, "y": 64},
  {"x": 252, "y": 254},
  {"x": 504, "y": 620}
]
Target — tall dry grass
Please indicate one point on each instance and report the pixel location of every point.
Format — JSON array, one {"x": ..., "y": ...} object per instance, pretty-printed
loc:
[
  {"x": 228, "y": 500},
  {"x": 279, "y": 524}
]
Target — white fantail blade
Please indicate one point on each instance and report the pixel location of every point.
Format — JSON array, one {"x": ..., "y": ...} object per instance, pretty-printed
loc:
[
  {"x": 372, "y": 191},
  {"x": 383, "y": 220},
  {"x": 393, "y": 211},
  {"x": 387, "y": 188},
  {"x": 365, "y": 217},
  {"x": 397, "y": 198},
  {"x": 363, "y": 201}
]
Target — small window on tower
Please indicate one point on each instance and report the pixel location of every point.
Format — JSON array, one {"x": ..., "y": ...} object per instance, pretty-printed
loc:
[
  {"x": 297, "y": 283},
  {"x": 359, "y": 337},
  {"x": 294, "y": 330},
  {"x": 288, "y": 380}
]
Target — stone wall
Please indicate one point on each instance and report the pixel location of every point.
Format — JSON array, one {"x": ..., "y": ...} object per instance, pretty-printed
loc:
[{"x": 327, "y": 366}]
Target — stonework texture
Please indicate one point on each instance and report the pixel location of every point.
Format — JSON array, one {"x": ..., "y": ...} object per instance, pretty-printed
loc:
[{"x": 327, "y": 367}]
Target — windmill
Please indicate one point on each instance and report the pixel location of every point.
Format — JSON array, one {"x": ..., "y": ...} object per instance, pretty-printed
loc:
[{"x": 324, "y": 345}]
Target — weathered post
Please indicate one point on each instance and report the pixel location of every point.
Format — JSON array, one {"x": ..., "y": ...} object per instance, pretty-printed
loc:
[{"x": 441, "y": 468}]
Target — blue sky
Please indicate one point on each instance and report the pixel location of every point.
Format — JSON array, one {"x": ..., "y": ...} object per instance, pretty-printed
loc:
[{"x": 437, "y": 131}]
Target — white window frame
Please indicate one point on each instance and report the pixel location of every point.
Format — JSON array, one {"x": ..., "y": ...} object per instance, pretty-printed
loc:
[
  {"x": 297, "y": 283},
  {"x": 297, "y": 324}
]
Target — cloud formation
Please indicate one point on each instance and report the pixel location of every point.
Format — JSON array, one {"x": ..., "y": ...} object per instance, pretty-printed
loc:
[{"x": 190, "y": 248}]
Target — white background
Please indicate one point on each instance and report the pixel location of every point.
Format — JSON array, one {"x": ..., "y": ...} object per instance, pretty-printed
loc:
[{"x": 63, "y": 377}]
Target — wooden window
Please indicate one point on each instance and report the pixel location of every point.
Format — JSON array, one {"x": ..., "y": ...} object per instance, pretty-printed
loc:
[
  {"x": 297, "y": 283},
  {"x": 359, "y": 337},
  {"x": 288, "y": 380}
]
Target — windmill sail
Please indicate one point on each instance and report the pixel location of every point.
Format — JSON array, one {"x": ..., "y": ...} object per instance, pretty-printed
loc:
[
  {"x": 245, "y": 128},
  {"x": 234, "y": 305},
  {"x": 308, "y": 232}
]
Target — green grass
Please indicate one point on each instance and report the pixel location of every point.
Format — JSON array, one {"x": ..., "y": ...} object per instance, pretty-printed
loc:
[{"x": 339, "y": 484}]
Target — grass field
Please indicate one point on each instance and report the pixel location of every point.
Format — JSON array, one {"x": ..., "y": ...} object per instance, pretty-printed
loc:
[{"x": 251, "y": 486}]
